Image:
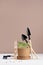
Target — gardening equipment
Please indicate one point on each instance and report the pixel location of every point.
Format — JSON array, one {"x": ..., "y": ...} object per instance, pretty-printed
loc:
[
  {"x": 32, "y": 50},
  {"x": 24, "y": 37}
]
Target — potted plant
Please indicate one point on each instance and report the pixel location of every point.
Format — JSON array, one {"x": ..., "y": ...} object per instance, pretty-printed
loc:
[{"x": 24, "y": 50}]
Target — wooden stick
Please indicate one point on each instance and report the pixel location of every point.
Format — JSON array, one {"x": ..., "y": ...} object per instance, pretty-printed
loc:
[
  {"x": 32, "y": 50},
  {"x": 34, "y": 53}
]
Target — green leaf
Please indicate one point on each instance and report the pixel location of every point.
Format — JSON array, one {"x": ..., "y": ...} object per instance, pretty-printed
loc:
[{"x": 23, "y": 45}]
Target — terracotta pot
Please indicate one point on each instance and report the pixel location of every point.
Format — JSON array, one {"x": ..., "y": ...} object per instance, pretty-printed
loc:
[{"x": 24, "y": 51}]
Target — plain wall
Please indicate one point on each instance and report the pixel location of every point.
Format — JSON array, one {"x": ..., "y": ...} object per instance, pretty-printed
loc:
[{"x": 15, "y": 17}]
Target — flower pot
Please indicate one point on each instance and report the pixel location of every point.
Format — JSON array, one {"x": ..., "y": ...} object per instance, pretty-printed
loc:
[{"x": 24, "y": 51}]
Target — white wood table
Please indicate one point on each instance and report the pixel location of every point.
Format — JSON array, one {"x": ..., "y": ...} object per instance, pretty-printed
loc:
[{"x": 12, "y": 61}]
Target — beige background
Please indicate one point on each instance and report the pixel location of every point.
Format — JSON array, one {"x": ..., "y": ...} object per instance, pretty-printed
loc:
[{"x": 15, "y": 17}]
